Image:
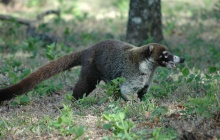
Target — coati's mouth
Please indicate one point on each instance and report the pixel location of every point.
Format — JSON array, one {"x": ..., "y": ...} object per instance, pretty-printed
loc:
[
  {"x": 172, "y": 63},
  {"x": 169, "y": 64}
]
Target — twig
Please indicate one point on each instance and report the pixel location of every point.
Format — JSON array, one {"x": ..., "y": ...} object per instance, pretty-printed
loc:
[
  {"x": 29, "y": 22},
  {"x": 14, "y": 19},
  {"x": 31, "y": 30},
  {"x": 43, "y": 14}
]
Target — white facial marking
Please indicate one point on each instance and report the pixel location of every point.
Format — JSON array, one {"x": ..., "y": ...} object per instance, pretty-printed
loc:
[
  {"x": 160, "y": 56},
  {"x": 166, "y": 56},
  {"x": 164, "y": 52}
]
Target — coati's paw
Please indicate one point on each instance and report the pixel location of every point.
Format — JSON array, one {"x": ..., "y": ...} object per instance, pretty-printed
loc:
[{"x": 131, "y": 97}]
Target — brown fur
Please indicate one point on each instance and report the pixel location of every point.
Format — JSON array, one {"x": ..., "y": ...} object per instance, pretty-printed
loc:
[{"x": 105, "y": 60}]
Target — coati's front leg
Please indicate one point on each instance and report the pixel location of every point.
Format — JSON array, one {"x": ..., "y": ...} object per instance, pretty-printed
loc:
[
  {"x": 87, "y": 82},
  {"x": 135, "y": 87},
  {"x": 133, "y": 95},
  {"x": 129, "y": 91},
  {"x": 143, "y": 91}
]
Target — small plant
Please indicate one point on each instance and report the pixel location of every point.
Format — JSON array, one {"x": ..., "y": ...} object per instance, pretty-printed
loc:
[
  {"x": 120, "y": 126},
  {"x": 4, "y": 127},
  {"x": 47, "y": 88},
  {"x": 206, "y": 87},
  {"x": 65, "y": 124},
  {"x": 205, "y": 106},
  {"x": 50, "y": 51},
  {"x": 159, "y": 134},
  {"x": 112, "y": 89},
  {"x": 165, "y": 86},
  {"x": 68, "y": 97},
  {"x": 21, "y": 100},
  {"x": 159, "y": 111},
  {"x": 86, "y": 101}
]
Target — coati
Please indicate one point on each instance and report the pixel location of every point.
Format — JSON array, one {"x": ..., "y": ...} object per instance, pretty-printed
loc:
[{"x": 105, "y": 61}]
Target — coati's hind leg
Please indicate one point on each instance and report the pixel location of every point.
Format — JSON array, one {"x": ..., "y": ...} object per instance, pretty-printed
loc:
[{"x": 87, "y": 82}]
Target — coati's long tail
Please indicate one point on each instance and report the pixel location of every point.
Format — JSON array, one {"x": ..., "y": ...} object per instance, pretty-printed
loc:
[{"x": 52, "y": 68}]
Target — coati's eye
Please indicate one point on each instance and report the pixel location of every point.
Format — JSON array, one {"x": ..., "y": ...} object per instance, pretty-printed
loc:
[{"x": 165, "y": 56}]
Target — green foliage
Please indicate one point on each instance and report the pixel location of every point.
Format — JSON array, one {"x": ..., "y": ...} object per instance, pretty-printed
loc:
[
  {"x": 35, "y": 3},
  {"x": 122, "y": 5},
  {"x": 12, "y": 67},
  {"x": 170, "y": 27},
  {"x": 185, "y": 71},
  {"x": 214, "y": 52},
  {"x": 205, "y": 106},
  {"x": 212, "y": 69},
  {"x": 216, "y": 10},
  {"x": 68, "y": 96},
  {"x": 64, "y": 123},
  {"x": 112, "y": 89},
  {"x": 21, "y": 100},
  {"x": 46, "y": 88},
  {"x": 79, "y": 15},
  {"x": 159, "y": 134},
  {"x": 204, "y": 88},
  {"x": 86, "y": 101},
  {"x": 44, "y": 27},
  {"x": 120, "y": 126},
  {"x": 149, "y": 40},
  {"x": 159, "y": 111},
  {"x": 50, "y": 51},
  {"x": 4, "y": 126},
  {"x": 166, "y": 84}
]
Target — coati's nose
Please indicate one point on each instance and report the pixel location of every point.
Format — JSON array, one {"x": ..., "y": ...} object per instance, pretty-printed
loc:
[{"x": 182, "y": 60}]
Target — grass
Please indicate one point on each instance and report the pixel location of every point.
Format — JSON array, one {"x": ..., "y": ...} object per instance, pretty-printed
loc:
[{"x": 182, "y": 102}]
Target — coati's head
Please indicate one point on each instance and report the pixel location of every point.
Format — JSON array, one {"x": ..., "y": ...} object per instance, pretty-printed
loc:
[{"x": 160, "y": 55}]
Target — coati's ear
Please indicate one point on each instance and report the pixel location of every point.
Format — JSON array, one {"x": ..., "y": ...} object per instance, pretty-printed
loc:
[
  {"x": 151, "y": 47},
  {"x": 147, "y": 50}
]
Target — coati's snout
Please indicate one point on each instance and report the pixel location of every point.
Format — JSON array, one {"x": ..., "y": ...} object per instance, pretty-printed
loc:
[
  {"x": 182, "y": 60},
  {"x": 166, "y": 59}
]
